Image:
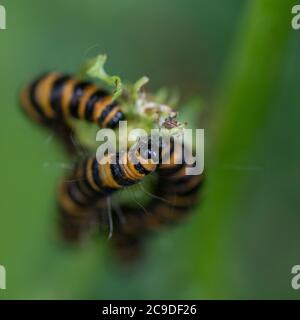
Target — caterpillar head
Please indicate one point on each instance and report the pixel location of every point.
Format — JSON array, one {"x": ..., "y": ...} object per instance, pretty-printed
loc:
[{"x": 145, "y": 155}]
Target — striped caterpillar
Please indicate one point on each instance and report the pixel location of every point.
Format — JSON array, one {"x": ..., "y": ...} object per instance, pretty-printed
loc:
[{"x": 52, "y": 100}]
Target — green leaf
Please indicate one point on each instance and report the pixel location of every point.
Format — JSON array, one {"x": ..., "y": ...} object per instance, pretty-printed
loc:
[{"x": 94, "y": 68}]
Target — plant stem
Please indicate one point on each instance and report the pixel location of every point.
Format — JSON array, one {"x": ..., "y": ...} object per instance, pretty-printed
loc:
[{"x": 244, "y": 103}]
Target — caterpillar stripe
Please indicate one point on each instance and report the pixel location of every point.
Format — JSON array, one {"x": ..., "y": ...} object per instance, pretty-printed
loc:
[
  {"x": 92, "y": 182},
  {"x": 55, "y": 96}
]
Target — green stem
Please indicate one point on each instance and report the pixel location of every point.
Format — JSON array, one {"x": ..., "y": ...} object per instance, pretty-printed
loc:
[{"x": 245, "y": 101}]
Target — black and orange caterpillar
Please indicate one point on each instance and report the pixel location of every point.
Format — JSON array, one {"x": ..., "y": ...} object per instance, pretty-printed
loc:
[
  {"x": 52, "y": 100},
  {"x": 174, "y": 195},
  {"x": 91, "y": 183},
  {"x": 54, "y": 96}
]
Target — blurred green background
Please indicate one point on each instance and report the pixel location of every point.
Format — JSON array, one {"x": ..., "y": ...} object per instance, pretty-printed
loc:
[{"x": 242, "y": 58}]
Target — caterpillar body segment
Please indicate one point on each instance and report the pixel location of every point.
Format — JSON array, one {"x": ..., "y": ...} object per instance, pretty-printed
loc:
[
  {"x": 55, "y": 96},
  {"x": 91, "y": 183}
]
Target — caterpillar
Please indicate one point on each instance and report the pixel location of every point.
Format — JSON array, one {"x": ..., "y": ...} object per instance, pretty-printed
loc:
[
  {"x": 54, "y": 96},
  {"x": 90, "y": 185},
  {"x": 92, "y": 182},
  {"x": 53, "y": 100},
  {"x": 178, "y": 189},
  {"x": 173, "y": 207},
  {"x": 175, "y": 194}
]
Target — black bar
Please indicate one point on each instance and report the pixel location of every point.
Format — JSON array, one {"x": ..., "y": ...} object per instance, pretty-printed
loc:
[{"x": 135, "y": 309}]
